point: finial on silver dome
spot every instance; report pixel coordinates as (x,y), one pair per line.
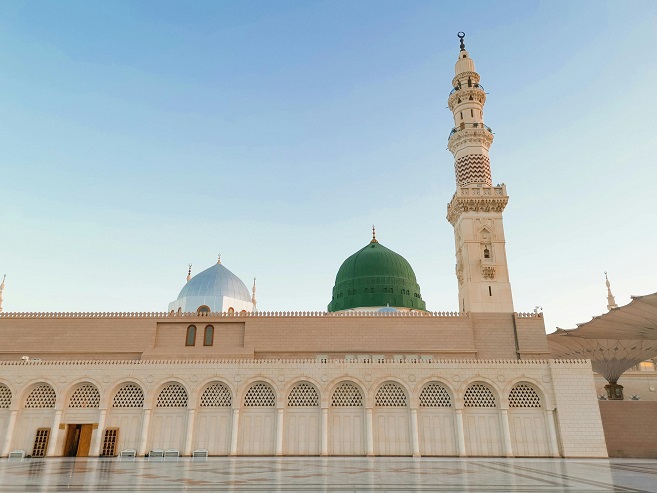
(611,300)
(253,296)
(373,235)
(461,35)
(189,272)
(219,259)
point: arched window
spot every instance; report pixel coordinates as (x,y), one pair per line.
(172,395)
(231,310)
(208,336)
(190,339)
(347,395)
(216,395)
(42,396)
(5,396)
(129,396)
(260,395)
(390,395)
(479,395)
(523,395)
(303,395)
(435,395)
(203,310)
(86,395)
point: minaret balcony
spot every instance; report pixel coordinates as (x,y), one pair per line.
(462,88)
(462,95)
(469,134)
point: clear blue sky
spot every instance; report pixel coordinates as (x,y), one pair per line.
(138,136)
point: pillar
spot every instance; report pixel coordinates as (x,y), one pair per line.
(233,434)
(279,431)
(369,432)
(324,444)
(415,438)
(145,424)
(11,424)
(460,434)
(191,414)
(95,449)
(506,433)
(54,434)
(552,433)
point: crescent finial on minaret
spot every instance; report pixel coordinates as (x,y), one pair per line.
(189,272)
(219,258)
(374,240)
(461,35)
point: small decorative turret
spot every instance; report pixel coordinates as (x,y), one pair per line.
(189,272)
(2,288)
(611,301)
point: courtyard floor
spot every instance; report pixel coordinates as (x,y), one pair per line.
(267,474)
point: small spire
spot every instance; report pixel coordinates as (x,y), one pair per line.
(219,259)
(373,235)
(189,272)
(253,296)
(461,35)
(611,301)
(2,288)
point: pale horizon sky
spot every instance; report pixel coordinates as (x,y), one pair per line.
(139,136)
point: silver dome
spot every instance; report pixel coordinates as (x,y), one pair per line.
(216,282)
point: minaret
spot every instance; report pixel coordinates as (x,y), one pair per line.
(611,301)
(2,288)
(475,210)
(253,295)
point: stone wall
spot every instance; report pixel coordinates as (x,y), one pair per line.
(630,428)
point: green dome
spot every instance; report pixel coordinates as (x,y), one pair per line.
(375,276)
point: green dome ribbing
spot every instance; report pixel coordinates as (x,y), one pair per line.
(375,276)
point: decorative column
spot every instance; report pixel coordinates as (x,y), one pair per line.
(506,432)
(145,424)
(552,433)
(191,414)
(233,434)
(54,434)
(415,442)
(324,443)
(279,431)
(11,424)
(460,435)
(369,432)
(98,440)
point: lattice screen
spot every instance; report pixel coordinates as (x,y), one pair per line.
(478,395)
(41,442)
(42,396)
(172,395)
(86,395)
(5,397)
(347,395)
(109,442)
(435,395)
(303,395)
(130,395)
(522,395)
(390,395)
(260,395)
(216,395)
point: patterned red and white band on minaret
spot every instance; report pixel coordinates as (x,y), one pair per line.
(470,138)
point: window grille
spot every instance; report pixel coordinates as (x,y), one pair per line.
(86,395)
(216,395)
(478,395)
(303,395)
(522,395)
(390,395)
(42,396)
(130,395)
(347,395)
(41,442)
(435,395)
(172,395)
(109,442)
(260,395)
(5,397)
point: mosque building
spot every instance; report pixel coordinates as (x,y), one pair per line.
(376,374)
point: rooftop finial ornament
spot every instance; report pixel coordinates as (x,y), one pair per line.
(373,234)
(461,35)
(2,288)
(611,300)
(219,258)
(189,272)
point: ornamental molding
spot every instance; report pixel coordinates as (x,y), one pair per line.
(474,77)
(466,94)
(460,205)
(461,138)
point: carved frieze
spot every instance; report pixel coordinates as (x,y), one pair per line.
(466,94)
(463,76)
(488,271)
(472,136)
(460,204)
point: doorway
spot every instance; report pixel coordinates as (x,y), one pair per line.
(78,440)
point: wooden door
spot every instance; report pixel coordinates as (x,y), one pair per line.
(85,440)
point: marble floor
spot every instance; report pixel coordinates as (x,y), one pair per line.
(336,475)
